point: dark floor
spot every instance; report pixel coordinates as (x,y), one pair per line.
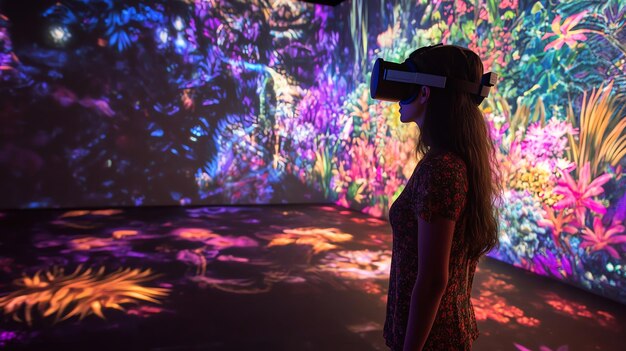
(249,278)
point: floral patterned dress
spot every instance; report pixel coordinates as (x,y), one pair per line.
(438,187)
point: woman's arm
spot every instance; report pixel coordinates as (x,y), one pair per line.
(434,246)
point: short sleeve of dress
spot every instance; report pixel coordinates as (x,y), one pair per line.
(441,188)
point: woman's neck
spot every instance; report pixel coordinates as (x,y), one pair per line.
(436,149)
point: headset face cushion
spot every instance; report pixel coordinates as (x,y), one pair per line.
(382,89)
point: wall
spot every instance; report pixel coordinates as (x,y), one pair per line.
(128,103)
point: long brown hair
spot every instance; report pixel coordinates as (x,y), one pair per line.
(455,123)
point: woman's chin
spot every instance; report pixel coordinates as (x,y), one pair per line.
(404,119)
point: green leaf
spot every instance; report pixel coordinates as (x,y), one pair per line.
(454,31)
(436,16)
(492,8)
(436,32)
(536,8)
(425,17)
(468,28)
(353,191)
(509,15)
(398,192)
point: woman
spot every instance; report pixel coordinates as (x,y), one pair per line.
(445,219)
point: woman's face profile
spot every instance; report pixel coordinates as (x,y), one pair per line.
(415,111)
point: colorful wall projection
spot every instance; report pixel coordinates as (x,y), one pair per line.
(557,115)
(165,102)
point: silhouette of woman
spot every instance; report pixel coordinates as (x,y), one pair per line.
(445,218)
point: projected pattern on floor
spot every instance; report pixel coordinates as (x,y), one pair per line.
(236,277)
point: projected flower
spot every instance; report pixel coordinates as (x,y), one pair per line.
(600,238)
(319,239)
(79,293)
(490,305)
(496,131)
(549,140)
(94,243)
(107,212)
(368,221)
(564,33)
(194,234)
(224,242)
(542,348)
(144,311)
(59,34)
(124,233)
(536,180)
(577,310)
(546,262)
(80,213)
(534,160)
(121,24)
(558,223)
(357,265)
(217,241)
(579,195)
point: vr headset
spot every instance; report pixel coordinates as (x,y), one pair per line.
(400,82)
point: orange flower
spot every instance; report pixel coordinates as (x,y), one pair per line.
(558,223)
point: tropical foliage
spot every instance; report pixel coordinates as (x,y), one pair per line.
(557,116)
(78,294)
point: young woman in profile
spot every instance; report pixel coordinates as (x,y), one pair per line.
(445,218)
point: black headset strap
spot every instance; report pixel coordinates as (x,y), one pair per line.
(470,87)
(476,88)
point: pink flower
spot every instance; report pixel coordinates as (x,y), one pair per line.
(600,238)
(564,33)
(564,165)
(495,132)
(542,348)
(462,8)
(549,140)
(580,195)
(483,14)
(508,3)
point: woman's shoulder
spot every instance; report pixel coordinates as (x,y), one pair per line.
(444,161)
